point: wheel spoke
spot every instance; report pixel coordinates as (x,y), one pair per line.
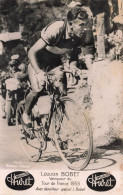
(29,136)
(72,128)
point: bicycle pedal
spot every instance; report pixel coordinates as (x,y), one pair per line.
(32,137)
(63,145)
(48,138)
(22,138)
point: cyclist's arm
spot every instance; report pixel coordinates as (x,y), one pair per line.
(88,49)
(39,45)
(74,60)
(73,66)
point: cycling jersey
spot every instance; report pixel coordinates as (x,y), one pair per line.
(59,42)
(55,35)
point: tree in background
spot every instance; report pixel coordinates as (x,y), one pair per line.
(32,18)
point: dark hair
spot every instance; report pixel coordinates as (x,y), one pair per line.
(77,12)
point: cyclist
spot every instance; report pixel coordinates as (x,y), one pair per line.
(3,93)
(17,70)
(59,37)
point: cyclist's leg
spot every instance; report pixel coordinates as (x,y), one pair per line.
(3,93)
(31,100)
(3,113)
(32,97)
(45,60)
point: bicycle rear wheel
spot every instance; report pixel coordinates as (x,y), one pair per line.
(72,134)
(32,147)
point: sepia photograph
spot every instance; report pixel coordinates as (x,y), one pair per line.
(61,97)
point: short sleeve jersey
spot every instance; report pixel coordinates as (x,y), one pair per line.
(55,35)
(52,33)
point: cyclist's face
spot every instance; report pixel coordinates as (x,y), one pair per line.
(78,27)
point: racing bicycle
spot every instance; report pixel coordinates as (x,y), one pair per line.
(62,120)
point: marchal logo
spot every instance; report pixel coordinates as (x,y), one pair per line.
(101,181)
(19,180)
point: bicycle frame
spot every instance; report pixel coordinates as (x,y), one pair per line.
(55,95)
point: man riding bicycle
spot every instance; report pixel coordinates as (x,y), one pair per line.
(56,39)
(15,70)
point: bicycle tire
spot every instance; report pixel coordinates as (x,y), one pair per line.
(74,157)
(32,148)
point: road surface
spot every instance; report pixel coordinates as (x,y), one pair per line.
(12,155)
(104,80)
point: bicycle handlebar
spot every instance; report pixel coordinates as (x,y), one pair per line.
(50,73)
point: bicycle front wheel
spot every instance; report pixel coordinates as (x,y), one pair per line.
(72,134)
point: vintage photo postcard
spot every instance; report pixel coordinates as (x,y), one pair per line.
(61,97)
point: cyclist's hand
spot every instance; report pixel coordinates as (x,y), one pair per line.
(74,69)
